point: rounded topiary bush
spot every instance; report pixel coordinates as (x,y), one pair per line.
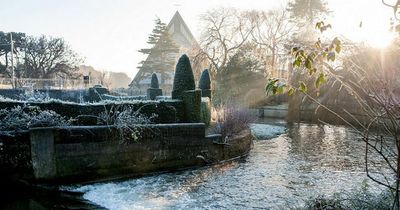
(154,81)
(183,79)
(205,82)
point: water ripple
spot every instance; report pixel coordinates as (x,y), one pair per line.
(280,173)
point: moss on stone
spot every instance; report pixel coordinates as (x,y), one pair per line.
(183,79)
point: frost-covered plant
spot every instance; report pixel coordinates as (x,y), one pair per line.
(128,116)
(22,118)
(48,118)
(230,120)
(14,119)
(125,119)
(34,96)
(123,115)
(361,198)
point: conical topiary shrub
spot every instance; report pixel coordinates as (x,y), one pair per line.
(154,81)
(183,79)
(154,89)
(205,82)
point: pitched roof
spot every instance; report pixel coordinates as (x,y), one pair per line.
(180,28)
(180,34)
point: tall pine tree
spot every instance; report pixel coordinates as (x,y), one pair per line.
(308,10)
(162,54)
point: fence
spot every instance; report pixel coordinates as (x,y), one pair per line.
(56,84)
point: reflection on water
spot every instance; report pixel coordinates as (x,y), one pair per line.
(308,161)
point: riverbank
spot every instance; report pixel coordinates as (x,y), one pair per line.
(307,161)
(281,173)
(49,196)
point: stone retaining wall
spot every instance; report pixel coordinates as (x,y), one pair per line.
(87,153)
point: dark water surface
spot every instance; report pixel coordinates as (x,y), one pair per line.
(283,172)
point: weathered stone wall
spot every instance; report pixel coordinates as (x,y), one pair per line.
(91,153)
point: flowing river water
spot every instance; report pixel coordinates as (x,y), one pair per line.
(304,162)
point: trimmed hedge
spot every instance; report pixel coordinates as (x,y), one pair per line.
(64,95)
(166,111)
(123,98)
(205,108)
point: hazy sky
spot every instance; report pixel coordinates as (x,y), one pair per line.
(108,33)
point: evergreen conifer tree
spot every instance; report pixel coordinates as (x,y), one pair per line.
(163,52)
(308,10)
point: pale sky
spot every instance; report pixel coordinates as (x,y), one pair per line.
(109,33)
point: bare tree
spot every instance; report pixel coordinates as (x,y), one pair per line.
(272,31)
(372,90)
(394,6)
(225,31)
(47,57)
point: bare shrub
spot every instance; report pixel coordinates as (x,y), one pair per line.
(230,120)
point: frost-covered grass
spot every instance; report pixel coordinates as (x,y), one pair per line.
(34,97)
(123,116)
(22,118)
(361,198)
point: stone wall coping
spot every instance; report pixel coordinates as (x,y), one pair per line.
(214,135)
(112,126)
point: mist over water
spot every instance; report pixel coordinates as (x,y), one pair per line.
(283,172)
